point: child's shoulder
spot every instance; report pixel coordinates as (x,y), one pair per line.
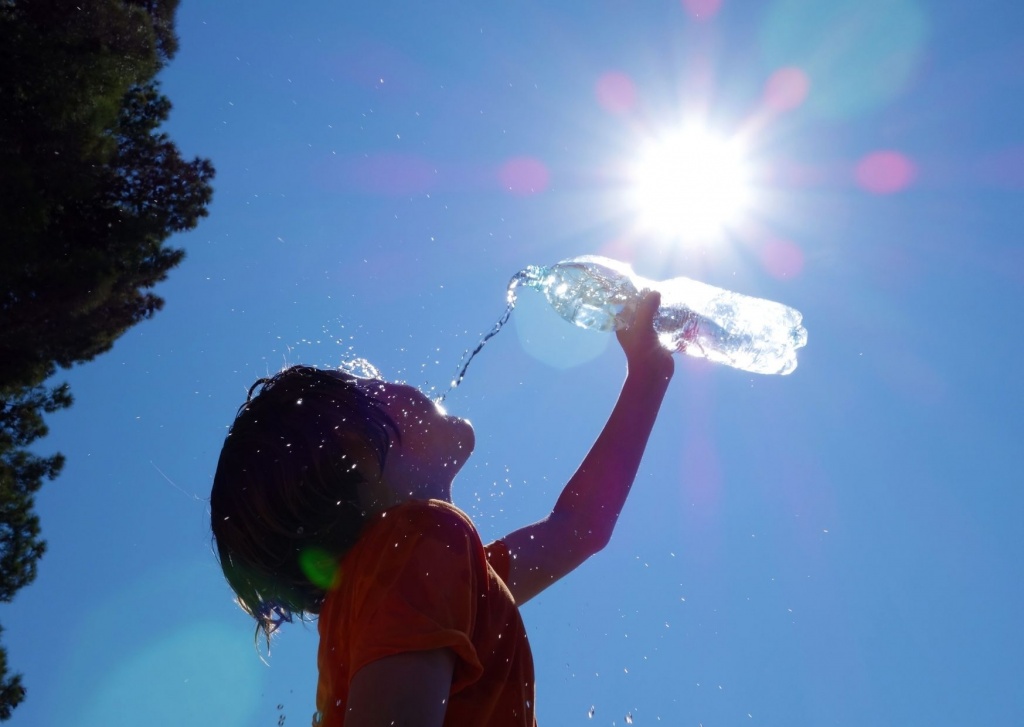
(432,518)
(415,533)
(427,510)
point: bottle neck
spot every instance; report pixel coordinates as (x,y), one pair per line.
(531,276)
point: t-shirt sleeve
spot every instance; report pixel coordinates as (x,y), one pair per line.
(498,557)
(422,593)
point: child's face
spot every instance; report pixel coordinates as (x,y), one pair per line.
(434,445)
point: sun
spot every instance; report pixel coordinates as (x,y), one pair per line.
(690,184)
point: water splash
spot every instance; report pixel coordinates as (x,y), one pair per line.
(529,274)
(360,367)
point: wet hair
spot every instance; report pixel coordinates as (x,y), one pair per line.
(285,503)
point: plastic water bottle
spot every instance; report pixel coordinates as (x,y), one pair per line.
(752,334)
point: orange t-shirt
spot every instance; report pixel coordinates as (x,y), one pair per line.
(419,578)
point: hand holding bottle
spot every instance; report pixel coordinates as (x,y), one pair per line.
(644,351)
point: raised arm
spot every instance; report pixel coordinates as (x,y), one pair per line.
(585,514)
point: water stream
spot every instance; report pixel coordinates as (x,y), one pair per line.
(510,297)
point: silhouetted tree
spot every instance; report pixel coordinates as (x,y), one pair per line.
(90,190)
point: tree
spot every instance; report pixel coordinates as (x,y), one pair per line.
(90,191)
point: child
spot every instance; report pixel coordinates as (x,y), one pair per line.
(333,497)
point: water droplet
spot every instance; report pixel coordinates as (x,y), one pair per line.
(629,718)
(590,713)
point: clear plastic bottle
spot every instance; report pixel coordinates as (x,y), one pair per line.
(752,334)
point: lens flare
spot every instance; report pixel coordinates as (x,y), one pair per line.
(523,176)
(782,259)
(702,9)
(885,172)
(616,92)
(319,566)
(786,89)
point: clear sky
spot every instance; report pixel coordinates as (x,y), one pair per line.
(841,546)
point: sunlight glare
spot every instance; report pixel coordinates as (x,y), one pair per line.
(692,183)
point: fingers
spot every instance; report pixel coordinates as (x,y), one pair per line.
(648,307)
(644,351)
(641,331)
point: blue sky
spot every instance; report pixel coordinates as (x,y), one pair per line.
(840,546)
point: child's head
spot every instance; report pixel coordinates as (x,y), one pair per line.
(288,495)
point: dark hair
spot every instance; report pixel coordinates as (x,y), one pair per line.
(284,506)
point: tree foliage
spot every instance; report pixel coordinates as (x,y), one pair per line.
(90,190)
